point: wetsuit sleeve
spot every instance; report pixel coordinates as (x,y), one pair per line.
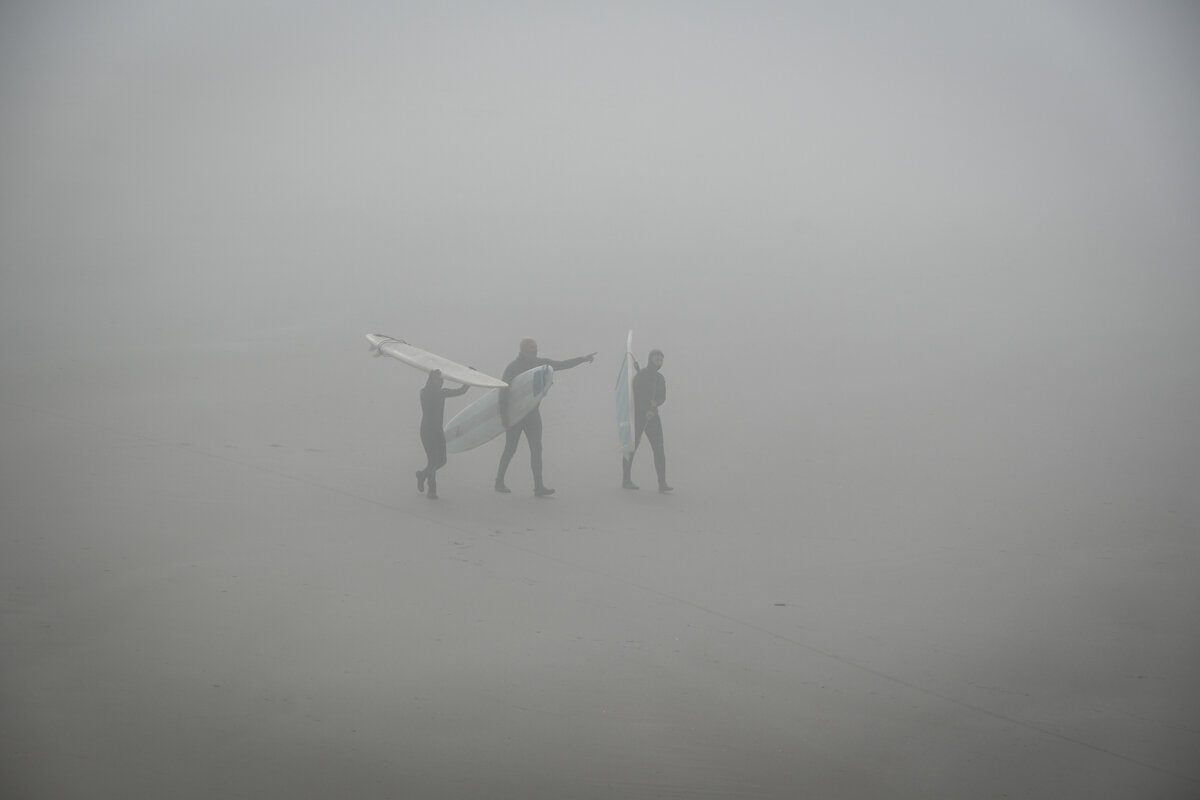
(559,366)
(660,391)
(455,392)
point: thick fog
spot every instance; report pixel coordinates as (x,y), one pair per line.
(926,280)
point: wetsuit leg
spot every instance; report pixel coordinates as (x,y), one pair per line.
(435,450)
(654,433)
(435,454)
(440,452)
(533,435)
(429,456)
(512,437)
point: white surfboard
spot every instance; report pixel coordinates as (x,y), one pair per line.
(624,397)
(428,362)
(480,422)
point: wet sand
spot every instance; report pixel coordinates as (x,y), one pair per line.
(218,580)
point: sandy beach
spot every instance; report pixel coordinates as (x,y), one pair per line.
(209,594)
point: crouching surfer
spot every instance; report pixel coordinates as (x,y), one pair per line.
(433,410)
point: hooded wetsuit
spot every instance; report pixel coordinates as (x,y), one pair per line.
(531,423)
(433,411)
(649,392)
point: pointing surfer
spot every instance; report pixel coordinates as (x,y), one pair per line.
(649,392)
(531,423)
(433,408)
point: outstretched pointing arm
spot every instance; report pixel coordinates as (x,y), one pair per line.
(559,366)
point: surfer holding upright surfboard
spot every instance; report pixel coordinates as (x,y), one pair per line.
(649,392)
(531,423)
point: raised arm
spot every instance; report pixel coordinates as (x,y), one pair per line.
(559,366)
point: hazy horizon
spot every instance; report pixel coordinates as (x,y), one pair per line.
(927,284)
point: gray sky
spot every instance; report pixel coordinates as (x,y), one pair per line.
(206,171)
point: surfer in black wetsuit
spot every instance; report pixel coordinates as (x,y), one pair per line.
(433,409)
(649,392)
(531,423)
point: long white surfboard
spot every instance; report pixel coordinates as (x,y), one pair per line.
(428,362)
(624,398)
(480,422)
